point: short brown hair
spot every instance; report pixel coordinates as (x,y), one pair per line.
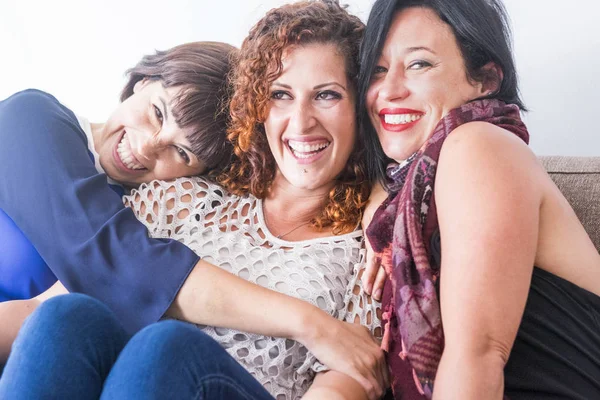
(259,64)
(201,69)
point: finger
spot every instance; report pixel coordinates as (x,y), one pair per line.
(365,382)
(381,374)
(370,272)
(375,385)
(379,382)
(385,372)
(379,282)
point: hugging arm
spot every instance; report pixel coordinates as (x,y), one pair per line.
(205,297)
(91,242)
(361,309)
(488,199)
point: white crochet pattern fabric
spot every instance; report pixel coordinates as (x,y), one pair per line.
(230,232)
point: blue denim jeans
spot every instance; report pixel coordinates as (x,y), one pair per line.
(73,347)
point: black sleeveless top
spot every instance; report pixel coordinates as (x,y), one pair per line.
(556,354)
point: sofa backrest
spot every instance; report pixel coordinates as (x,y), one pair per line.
(578,178)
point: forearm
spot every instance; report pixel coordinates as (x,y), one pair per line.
(12,315)
(465,377)
(212,296)
(333,385)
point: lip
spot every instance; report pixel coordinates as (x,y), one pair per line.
(120,165)
(308,140)
(398,127)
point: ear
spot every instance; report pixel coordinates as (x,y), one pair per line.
(491,77)
(140,84)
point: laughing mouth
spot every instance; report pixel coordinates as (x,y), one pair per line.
(401,119)
(306,150)
(126,155)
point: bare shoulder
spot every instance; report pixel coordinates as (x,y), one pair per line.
(483,138)
(481,148)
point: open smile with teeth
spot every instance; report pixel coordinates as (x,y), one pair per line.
(306,150)
(401,119)
(126,155)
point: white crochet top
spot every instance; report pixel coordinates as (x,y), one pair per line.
(230,232)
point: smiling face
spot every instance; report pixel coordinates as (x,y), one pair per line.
(419,78)
(310,124)
(141,141)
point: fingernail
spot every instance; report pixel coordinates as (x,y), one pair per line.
(378,294)
(369,288)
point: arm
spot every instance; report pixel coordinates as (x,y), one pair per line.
(205,297)
(488,199)
(96,246)
(361,309)
(93,244)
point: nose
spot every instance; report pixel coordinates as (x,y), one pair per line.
(302,117)
(393,87)
(148,145)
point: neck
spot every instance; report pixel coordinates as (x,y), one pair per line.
(286,204)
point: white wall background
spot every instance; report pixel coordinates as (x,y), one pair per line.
(79,49)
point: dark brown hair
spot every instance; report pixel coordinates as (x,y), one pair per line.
(483,35)
(201,69)
(259,64)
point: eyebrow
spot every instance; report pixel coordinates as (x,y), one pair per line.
(418,48)
(164,110)
(322,85)
(330,84)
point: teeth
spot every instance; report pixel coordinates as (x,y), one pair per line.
(299,147)
(125,154)
(401,119)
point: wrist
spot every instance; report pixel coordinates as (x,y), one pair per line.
(311,323)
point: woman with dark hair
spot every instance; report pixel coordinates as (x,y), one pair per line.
(58,170)
(285,217)
(494,284)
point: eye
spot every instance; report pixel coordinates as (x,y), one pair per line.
(419,64)
(158,114)
(379,70)
(328,95)
(183,154)
(280,95)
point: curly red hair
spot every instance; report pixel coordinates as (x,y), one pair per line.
(259,64)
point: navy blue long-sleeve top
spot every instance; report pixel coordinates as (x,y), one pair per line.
(52,191)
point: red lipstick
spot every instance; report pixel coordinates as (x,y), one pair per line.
(395,111)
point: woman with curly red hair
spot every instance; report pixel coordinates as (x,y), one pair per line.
(284,216)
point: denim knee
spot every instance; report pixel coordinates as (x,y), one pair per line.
(173,359)
(76,316)
(173,341)
(67,347)
(173,336)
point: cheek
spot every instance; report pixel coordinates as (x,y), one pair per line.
(372,96)
(272,127)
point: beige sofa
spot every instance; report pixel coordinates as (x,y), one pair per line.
(578,178)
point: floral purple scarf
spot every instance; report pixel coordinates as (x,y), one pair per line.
(404,232)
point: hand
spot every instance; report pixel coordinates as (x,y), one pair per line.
(374,276)
(350,349)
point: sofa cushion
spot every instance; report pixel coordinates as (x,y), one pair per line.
(578,178)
